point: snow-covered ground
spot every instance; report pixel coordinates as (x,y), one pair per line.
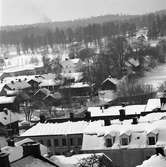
(155,77)
(154,161)
(23,62)
(72,161)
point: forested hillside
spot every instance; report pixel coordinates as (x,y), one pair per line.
(84,30)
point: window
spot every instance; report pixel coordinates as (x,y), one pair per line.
(64,142)
(124,141)
(49,143)
(109,142)
(56,142)
(71,141)
(151,140)
(79,141)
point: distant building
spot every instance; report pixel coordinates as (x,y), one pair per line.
(142,33)
(50,84)
(18,85)
(109,84)
(9,121)
(71,66)
(60,138)
(76,89)
(126,144)
(108,89)
(25,153)
(10,103)
(34,82)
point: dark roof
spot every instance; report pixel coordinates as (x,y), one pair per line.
(3,131)
(53,99)
(32,161)
(44,91)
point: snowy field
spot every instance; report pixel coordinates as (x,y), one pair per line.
(23,62)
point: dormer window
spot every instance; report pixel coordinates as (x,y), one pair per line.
(152,138)
(109,140)
(125,139)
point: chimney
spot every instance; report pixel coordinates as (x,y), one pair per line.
(42,118)
(12,82)
(11,142)
(71,115)
(101,108)
(4,159)
(31,148)
(163,103)
(135,121)
(19,80)
(122,114)
(87,115)
(107,122)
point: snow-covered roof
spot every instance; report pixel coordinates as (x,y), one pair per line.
(16,152)
(154,161)
(32,161)
(72,61)
(49,82)
(77,76)
(16,78)
(6,100)
(49,76)
(152,117)
(153,104)
(114,110)
(56,129)
(113,80)
(36,79)
(8,117)
(18,85)
(72,161)
(134,62)
(93,138)
(76,60)
(78,85)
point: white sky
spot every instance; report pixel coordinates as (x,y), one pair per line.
(32,11)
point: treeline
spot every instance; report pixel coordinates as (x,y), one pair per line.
(35,37)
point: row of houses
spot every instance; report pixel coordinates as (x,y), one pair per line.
(115,138)
(33,154)
(118,141)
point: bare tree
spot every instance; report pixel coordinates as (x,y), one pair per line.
(133,88)
(92,161)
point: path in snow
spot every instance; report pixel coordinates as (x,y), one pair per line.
(155,77)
